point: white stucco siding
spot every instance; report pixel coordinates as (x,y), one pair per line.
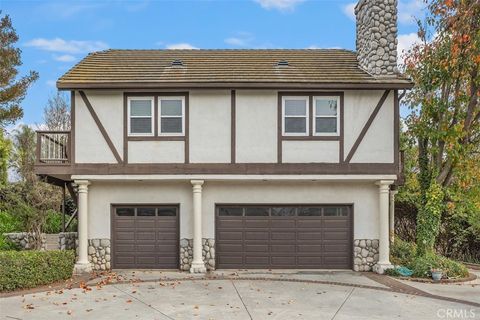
(156,151)
(256,126)
(378,143)
(103,194)
(210,120)
(310,151)
(90,145)
(363,196)
(108,106)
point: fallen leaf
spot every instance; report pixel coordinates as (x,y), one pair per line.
(129,301)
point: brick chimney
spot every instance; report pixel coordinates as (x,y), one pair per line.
(376,40)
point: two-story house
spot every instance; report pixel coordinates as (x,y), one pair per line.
(203,159)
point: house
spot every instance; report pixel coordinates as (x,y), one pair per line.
(203,159)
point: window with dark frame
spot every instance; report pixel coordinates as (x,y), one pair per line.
(284,211)
(140,116)
(146,211)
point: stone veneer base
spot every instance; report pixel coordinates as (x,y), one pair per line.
(99,254)
(186,253)
(365,254)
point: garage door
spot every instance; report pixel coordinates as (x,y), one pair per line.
(145,237)
(252,236)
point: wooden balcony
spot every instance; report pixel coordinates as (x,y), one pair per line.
(53,148)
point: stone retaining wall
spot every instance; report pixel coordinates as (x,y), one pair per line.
(99,254)
(67,240)
(26,240)
(365,254)
(186,253)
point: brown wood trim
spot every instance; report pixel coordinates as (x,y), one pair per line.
(187,128)
(310,116)
(38,148)
(221,168)
(396,129)
(238,85)
(125,129)
(157,138)
(279,128)
(311,138)
(366,126)
(341,147)
(233,127)
(72,127)
(100,127)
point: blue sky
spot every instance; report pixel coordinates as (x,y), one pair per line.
(54,35)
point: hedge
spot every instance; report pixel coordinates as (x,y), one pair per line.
(28,269)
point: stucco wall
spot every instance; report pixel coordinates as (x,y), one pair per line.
(377,145)
(156,151)
(210,120)
(363,195)
(256,126)
(256,130)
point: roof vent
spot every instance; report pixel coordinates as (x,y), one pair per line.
(177,63)
(282,63)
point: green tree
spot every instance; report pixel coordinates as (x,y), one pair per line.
(445,105)
(5,149)
(23,156)
(12,87)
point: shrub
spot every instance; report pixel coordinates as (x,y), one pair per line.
(402,252)
(8,223)
(28,269)
(53,222)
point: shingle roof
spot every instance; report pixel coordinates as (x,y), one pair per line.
(223,68)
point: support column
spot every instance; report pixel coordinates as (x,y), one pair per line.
(392,215)
(198,266)
(384,243)
(82,265)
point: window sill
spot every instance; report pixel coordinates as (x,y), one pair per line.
(156,138)
(317,138)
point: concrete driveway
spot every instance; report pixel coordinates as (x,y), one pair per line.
(238,295)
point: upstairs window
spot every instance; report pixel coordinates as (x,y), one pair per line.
(295,116)
(140,116)
(326,116)
(171,116)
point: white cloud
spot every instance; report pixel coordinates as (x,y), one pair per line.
(281,5)
(181,45)
(406,42)
(349,10)
(66,46)
(242,39)
(51,83)
(407,10)
(65,58)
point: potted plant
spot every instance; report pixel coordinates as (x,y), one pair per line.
(436,274)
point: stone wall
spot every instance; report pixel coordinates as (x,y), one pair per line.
(67,240)
(99,254)
(365,254)
(26,240)
(377,36)
(186,253)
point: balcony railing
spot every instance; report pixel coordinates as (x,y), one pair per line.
(53,147)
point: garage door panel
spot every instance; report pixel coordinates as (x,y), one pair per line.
(320,237)
(284,248)
(309,223)
(256,247)
(282,223)
(230,235)
(144,237)
(256,223)
(230,247)
(336,235)
(256,235)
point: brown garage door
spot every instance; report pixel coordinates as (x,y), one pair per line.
(145,237)
(252,236)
